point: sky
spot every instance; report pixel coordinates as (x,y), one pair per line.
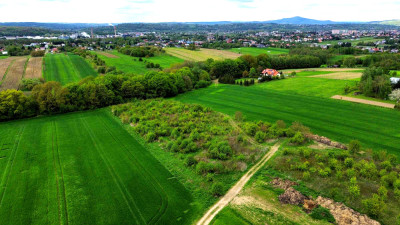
(123,11)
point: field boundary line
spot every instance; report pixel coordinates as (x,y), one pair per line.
(114,176)
(63,192)
(135,162)
(8,169)
(234,191)
(25,66)
(364,101)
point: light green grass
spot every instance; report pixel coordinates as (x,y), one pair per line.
(257,51)
(66,68)
(84,168)
(312,73)
(375,127)
(128,64)
(354,42)
(3,57)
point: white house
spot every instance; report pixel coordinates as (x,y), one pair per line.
(394,80)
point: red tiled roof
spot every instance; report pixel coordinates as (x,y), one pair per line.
(270,72)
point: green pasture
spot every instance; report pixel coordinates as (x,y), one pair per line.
(352,41)
(84,168)
(129,64)
(306,100)
(66,68)
(257,51)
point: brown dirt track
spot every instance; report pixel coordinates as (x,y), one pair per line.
(4,64)
(14,74)
(234,191)
(34,68)
(339,75)
(364,101)
(109,55)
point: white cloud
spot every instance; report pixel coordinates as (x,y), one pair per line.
(101,11)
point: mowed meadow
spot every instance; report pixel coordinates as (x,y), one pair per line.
(129,64)
(375,127)
(201,54)
(66,68)
(84,168)
(257,51)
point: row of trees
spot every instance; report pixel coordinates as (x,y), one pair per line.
(228,70)
(90,93)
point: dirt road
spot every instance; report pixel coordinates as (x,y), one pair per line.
(364,101)
(224,201)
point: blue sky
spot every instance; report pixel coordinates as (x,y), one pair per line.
(118,11)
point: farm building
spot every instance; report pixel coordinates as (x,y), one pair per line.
(394,80)
(270,73)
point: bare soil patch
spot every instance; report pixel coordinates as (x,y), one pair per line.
(34,68)
(340,75)
(109,55)
(14,74)
(364,101)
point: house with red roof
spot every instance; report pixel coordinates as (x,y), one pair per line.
(270,73)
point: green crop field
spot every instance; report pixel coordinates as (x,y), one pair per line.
(129,64)
(66,68)
(84,168)
(298,101)
(352,41)
(258,51)
(201,54)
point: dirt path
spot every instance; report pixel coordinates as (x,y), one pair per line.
(364,101)
(234,191)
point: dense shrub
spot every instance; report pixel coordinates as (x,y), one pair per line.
(217,189)
(354,146)
(298,138)
(321,213)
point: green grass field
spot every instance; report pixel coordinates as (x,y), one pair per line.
(66,68)
(258,51)
(84,168)
(353,42)
(307,100)
(128,64)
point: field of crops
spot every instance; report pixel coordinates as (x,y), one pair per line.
(4,64)
(202,54)
(84,168)
(34,68)
(14,74)
(258,51)
(66,68)
(130,64)
(342,121)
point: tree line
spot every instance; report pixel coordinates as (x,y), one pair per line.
(227,71)
(95,92)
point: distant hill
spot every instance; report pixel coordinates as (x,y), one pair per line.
(54,26)
(390,22)
(302,21)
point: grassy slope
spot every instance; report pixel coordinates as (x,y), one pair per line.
(342,121)
(128,64)
(86,168)
(66,68)
(258,51)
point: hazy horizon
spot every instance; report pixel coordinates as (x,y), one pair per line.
(150,11)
